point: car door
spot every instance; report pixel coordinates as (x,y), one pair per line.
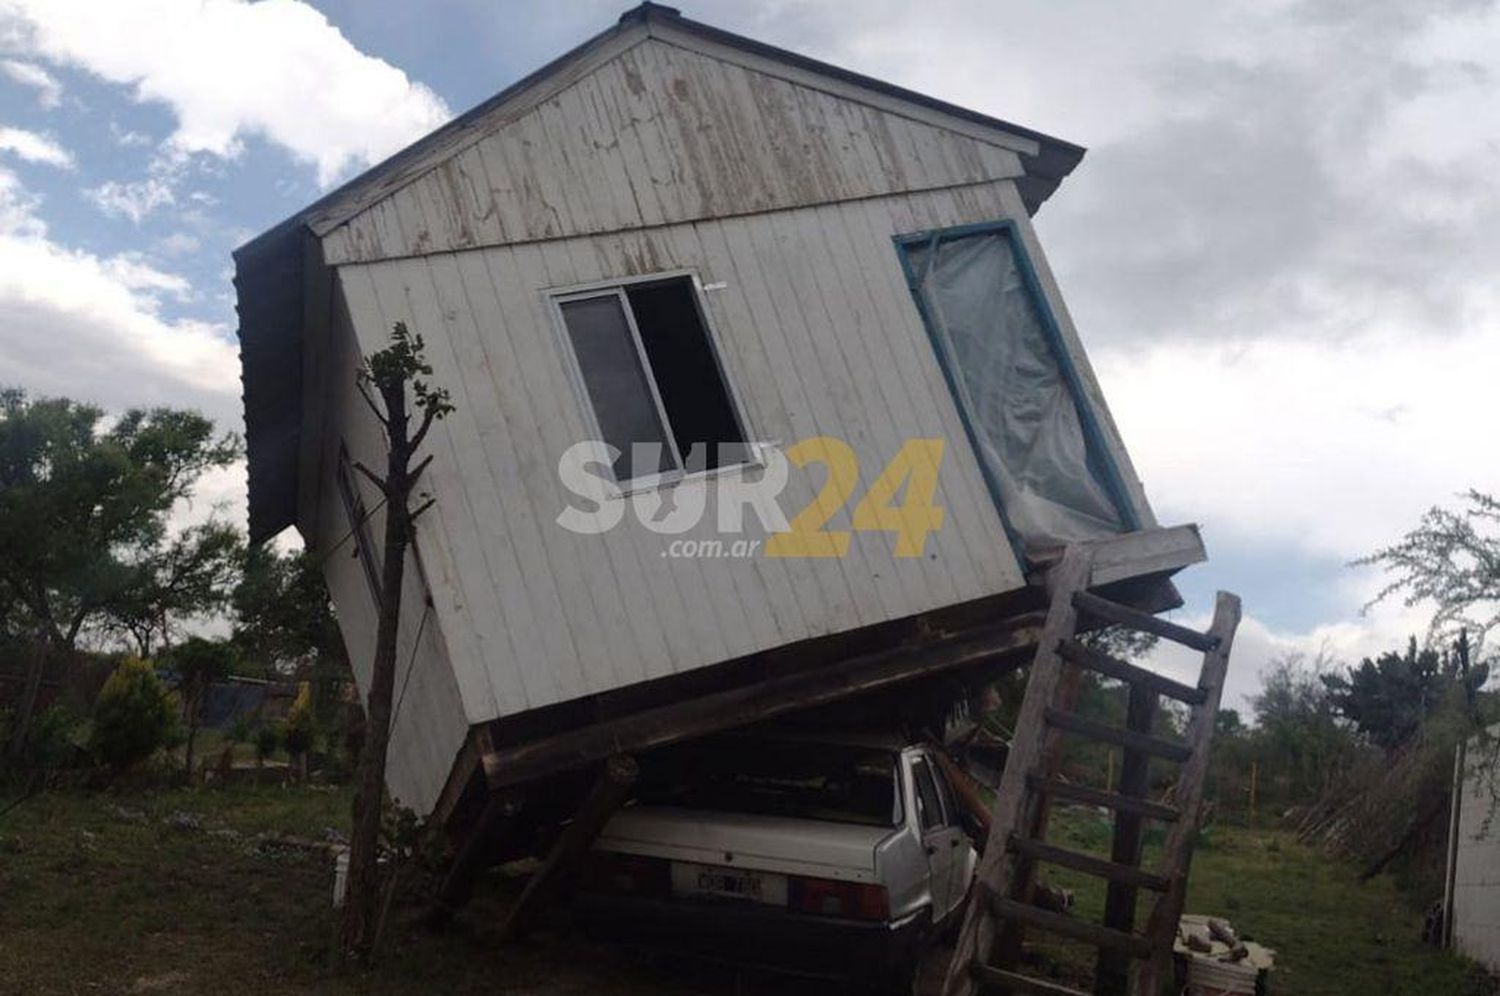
(964,855)
(941,837)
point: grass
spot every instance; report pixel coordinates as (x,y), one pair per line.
(1332,934)
(107,893)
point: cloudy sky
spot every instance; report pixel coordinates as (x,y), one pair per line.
(1281,249)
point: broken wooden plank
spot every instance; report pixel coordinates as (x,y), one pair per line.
(701,716)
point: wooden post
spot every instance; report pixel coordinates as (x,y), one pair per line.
(1254,784)
(1112,968)
(607,795)
(484,839)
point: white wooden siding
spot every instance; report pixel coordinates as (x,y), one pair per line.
(661,134)
(1476,873)
(820,337)
(429,723)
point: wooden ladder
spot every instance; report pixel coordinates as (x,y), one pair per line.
(987,955)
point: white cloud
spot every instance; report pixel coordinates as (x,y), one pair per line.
(92,327)
(133,199)
(48,90)
(230,70)
(34,148)
(1329,448)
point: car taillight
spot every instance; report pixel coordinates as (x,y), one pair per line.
(627,874)
(827,897)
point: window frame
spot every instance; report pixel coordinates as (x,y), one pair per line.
(559,296)
(358,515)
(1095,438)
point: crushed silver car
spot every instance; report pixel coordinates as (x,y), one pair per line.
(832,856)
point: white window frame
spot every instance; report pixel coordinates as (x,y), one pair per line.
(557,297)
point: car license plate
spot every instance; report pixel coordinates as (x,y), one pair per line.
(729,883)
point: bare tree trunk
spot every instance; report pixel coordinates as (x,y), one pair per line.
(362,903)
(36,660)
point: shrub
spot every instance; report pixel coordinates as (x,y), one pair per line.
(135,715)
(301,726)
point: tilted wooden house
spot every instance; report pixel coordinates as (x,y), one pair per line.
(676,236)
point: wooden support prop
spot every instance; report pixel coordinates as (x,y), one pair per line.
(1191,778)
(741,706)
(484,839)
(1011,813)
(607,795)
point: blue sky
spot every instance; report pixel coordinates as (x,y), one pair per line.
(1280,249)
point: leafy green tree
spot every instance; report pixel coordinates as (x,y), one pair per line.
(1390,697)
(198,663)
(190,575)
(135,716)
(82,501)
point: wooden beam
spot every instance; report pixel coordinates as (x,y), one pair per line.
(607,795)
(1112,667)
(1139,743)
(707,714)
(1124,615)
(1089,865)
(1111,969)
(1066,926)
(1146,551)
(1110,800)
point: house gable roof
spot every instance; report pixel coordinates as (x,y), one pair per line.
(269,269)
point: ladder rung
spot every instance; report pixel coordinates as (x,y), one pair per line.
(1094,797)
(1128,739)
(987,975)
(1112,667)
(1079,930)
(1124,615)
(1089,865)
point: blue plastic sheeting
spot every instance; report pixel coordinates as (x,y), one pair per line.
(1016,389)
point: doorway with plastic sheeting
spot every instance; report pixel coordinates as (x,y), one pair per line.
(1018,392)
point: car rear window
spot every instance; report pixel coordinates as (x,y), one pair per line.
(812,781)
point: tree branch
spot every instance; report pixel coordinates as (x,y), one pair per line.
(377,480)
(421,508)
(364,392)
(416,471)
(429,416)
